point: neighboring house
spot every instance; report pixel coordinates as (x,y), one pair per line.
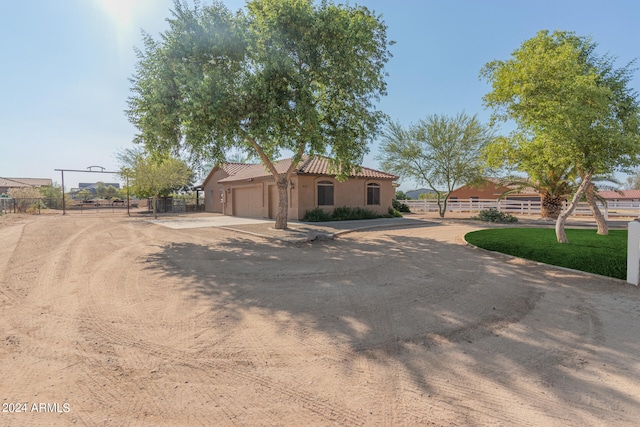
(8,183)
(249,189)
(624,196)
(491,190)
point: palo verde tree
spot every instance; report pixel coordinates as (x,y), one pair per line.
(552,177)
(560,93)
(280,75)
(439,151)
(153,176)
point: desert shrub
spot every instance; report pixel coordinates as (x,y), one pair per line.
(344,213)
(400,207)
(316,215)
(394,213)
(494,215)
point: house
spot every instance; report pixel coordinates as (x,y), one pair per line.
(623,196)
(8,183)
(491,189)
(250,190)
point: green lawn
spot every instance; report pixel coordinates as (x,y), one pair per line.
(586,250)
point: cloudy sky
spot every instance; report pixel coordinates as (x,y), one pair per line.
(65,66)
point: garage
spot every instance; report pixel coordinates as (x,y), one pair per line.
(247,201)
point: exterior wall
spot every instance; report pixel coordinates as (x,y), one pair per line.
(351,193)
(303,196)
(213,191)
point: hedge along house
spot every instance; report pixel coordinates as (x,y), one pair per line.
(249,190)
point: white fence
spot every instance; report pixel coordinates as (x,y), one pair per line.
(521,207)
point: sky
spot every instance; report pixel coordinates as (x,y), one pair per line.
(66,64)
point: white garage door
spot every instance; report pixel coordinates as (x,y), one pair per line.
(248,202)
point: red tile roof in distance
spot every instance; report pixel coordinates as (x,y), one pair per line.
(615,195)
(312,165)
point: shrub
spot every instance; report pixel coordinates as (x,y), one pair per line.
(343,214)
(494,215)
(400,207)
(394,213)
(346,213)
(316,215)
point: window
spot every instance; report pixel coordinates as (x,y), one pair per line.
(373,194)
(325,193)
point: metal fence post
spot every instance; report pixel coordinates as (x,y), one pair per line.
(633,253)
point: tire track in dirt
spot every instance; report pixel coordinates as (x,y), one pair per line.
(232,369)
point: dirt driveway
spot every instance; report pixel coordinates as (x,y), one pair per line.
(115,321)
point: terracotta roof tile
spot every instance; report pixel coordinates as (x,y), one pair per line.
(626,194)
(313,165)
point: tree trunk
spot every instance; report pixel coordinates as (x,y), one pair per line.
(442,206)
(551,206)
(283,202)
(154,202)
(562,218)
(603,228)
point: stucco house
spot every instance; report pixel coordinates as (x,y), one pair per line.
(8,183)
(249,190)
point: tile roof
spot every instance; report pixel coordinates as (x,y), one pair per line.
(312,165)
(626,194)
(24,182)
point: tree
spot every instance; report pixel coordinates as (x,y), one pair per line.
(280,75)
(554,188)
(401,195)
(438,151)
(153,176)
(52,194)
(558,91)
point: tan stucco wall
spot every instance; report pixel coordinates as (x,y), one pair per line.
(212,191)
(302,197)
(351,193)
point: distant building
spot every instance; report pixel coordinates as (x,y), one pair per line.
(91,186)
(8,183)
(620,195)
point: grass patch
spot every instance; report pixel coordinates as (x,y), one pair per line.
(586,250)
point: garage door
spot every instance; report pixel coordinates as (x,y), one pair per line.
(248,202)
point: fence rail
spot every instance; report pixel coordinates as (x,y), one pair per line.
(522,207)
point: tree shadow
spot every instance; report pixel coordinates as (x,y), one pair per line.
(405,300)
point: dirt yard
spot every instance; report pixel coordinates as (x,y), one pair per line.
(111,321)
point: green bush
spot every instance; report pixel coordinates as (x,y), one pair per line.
(494,215)
(394,213)
(400,207)
(346,213)
(316,215)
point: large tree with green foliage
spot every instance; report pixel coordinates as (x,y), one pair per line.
(291,75)
(439,151)
(572,108)
(153,176)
